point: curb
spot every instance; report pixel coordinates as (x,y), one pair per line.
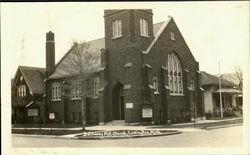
(95,138)
(127,137)
(222,126)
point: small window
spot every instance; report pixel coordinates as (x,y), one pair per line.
(56,91)
(117,28)
(96,86)
(192,85)
(144,27)
(155,85)
(172,35)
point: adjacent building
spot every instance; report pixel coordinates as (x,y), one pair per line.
(28,95)
(229,95)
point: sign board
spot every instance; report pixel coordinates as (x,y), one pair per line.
(129,105)
(33,112)
(147,113)
(51,115)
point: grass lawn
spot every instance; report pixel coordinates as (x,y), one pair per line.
(49,125)
(48,132)
(203,125)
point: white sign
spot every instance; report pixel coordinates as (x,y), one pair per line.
(129,105)
(33,112)
(147,113)
(51,115)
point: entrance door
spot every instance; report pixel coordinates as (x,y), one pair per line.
(122,107)
(118,102)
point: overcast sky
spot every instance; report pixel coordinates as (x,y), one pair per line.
(214,31)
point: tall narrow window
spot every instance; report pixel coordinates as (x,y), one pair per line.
(76,89)
(117,28)
(174,74)
(56,91)
(144,27)
(96,86)
(155,84)
(192,85)
(172,35)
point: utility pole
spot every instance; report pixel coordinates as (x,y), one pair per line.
(221,112)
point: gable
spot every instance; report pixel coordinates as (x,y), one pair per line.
(33,77)
(163,41)
(209,79)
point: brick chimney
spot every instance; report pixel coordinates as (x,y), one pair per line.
(50,53)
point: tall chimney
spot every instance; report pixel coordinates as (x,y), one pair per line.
(50,53)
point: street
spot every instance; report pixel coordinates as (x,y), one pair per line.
(223,137)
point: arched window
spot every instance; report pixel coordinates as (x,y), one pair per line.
(174,74)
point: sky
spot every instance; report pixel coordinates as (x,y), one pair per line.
(214,31)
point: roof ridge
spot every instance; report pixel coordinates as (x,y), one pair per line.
(21,66)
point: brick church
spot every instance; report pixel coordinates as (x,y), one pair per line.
(146,74)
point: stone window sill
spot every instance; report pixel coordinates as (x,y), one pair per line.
(144,35)
(116,37)
(177,94)
(156,93)
(56,100)
(76,98)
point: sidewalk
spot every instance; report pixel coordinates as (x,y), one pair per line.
(182,127)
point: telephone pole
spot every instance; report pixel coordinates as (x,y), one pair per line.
(221,112)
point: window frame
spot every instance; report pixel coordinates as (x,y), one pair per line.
(56,91)
(156,84)
(175,79)
(75,89)
(172,35)
(96,86)
(144,27)
(21,91)
(117,29)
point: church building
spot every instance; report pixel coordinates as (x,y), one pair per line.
(146,74)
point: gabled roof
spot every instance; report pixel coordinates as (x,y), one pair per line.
(97,45)
(158,34)
(230,77)
(209,79)
(34,77)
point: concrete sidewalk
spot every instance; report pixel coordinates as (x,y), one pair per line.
(188,127)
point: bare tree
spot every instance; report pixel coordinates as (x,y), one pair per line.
(80,63)
(239,76)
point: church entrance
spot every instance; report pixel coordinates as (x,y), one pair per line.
(118,102)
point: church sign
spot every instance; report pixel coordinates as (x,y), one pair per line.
(129,105)
(147,113)
(33,112)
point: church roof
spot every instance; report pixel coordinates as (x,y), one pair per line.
(209,79)
(95,45)
(34,78)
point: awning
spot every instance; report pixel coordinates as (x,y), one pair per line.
(227,90)
(29,104)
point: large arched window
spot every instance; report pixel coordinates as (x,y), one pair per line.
(174,74)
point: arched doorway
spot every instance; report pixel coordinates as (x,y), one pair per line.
(118,102)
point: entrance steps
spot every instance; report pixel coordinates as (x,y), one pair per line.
(116,123)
